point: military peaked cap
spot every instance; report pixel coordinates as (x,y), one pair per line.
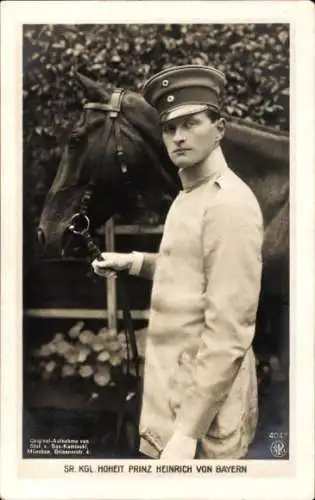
(183,90)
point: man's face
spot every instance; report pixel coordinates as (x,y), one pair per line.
(189,139)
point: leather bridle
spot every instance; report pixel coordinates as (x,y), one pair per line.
(80,225)
(80,219)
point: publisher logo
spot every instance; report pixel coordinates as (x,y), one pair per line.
(278,448)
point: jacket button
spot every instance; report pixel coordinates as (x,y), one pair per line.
(170,98)
(165,83)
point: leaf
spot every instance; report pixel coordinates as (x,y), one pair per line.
(116,359)
(98,344)
(71,357)
(86,337)
(112,334)
(103,333)
(116,58)
(62,347)
(58,337)
(78,49)
(283,36)
(102,376)
(67,371)
(86,371)
(113,346)
(122,339)
(96,66)
(45,351)
(50,366)
(82,353)
(103,356)
(76,329)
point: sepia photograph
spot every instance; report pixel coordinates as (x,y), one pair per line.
(133,180)
(156,247)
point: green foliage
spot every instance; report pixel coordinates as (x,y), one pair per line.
(254,57)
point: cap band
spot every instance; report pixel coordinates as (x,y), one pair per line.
(184,85)
(187,95)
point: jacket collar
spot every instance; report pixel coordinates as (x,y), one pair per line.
(212,168)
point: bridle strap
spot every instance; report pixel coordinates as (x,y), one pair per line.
(99,106)
(114,108)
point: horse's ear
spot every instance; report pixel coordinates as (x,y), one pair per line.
(94,89)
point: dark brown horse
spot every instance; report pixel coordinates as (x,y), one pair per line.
(257,154)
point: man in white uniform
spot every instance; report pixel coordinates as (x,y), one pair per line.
(200,386)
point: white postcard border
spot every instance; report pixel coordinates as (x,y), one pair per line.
(272,478)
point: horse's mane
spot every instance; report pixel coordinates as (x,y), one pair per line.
(265,141)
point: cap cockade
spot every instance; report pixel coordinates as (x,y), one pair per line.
(183,90)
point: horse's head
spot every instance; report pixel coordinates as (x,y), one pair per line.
(114,152)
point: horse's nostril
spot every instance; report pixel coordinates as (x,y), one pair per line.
(40,236)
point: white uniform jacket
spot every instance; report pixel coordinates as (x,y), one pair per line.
(200,373)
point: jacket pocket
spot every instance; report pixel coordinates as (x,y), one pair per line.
(228,419)
(239,410)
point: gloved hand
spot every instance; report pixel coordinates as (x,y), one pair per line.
(179,447)
(113,261)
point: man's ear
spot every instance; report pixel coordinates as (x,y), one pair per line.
(221,126)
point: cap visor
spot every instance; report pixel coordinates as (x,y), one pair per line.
(183,110)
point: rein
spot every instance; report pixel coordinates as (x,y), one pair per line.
(80,225)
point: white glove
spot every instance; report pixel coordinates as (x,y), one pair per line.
(113,261)
(179,447)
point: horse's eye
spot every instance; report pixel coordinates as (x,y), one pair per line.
(77,136)
(81,120)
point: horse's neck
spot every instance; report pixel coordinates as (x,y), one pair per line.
(260,158)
